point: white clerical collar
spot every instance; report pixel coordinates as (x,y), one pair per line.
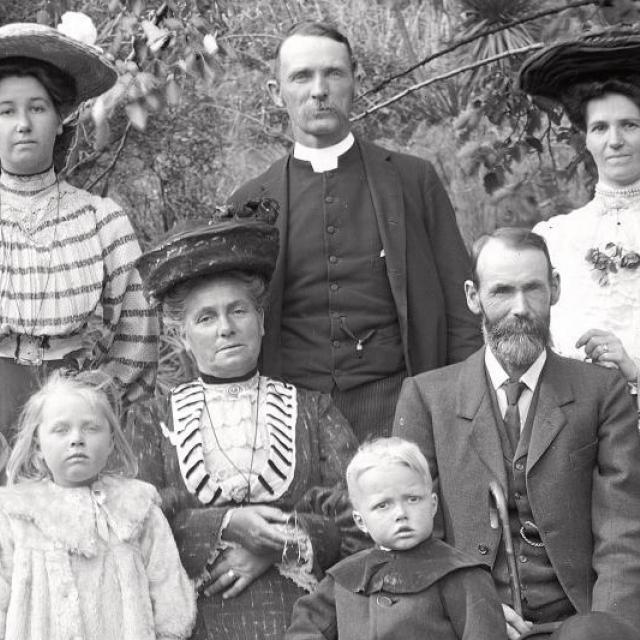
(499,376)
(325,159)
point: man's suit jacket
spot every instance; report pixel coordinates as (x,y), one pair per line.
(583,471)
(427,262)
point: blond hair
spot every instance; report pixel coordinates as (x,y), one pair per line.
(375,453)
(26,461)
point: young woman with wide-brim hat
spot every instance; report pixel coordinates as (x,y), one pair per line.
(69,293)
(596,248)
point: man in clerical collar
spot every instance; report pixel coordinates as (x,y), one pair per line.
(559,436)
(368,285)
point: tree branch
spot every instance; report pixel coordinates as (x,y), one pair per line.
(444,76)
(116,155)
(477,36)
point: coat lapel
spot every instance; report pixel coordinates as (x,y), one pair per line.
(549,418)
(386,195)
(276,185)
(474,405)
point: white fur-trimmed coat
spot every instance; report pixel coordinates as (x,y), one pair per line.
(90,563)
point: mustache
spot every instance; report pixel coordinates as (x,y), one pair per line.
(516,326)
(325,105)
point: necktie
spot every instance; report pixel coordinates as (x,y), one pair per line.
(513,389)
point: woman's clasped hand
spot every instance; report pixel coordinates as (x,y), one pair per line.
(606,349)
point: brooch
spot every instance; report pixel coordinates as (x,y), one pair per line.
(610,260)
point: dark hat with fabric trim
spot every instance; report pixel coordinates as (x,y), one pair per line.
(92,72)
(594,56)
(243,238)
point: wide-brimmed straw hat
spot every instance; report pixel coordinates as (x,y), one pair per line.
(92,72)
(240,238)
(592,57)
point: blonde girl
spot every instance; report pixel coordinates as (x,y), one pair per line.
(85,551)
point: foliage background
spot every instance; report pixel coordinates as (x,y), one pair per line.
(191,119)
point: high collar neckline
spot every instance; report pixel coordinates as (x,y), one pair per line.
(248,380)
(28,184)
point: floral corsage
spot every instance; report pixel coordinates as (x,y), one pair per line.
(609,260)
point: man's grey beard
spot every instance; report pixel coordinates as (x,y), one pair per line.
(516,341)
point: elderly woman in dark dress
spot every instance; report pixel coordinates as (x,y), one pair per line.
(247,466)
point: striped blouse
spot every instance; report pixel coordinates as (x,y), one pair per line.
(67,272)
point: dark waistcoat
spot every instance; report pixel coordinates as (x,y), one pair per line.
(542,595)
(339,322)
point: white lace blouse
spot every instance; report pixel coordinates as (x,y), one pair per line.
(608,297)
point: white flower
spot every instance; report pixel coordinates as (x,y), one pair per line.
(210,44)
(78,26)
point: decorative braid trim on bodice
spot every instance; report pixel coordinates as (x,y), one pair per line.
(278,411)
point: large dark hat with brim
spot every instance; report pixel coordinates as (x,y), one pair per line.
(242,238)
(592,57)
(92,72)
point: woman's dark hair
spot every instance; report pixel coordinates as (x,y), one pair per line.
(577,97)
(61,88)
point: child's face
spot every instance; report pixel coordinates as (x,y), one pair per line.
(74,439)
(394,505)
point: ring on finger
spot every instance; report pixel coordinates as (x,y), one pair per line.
(605,348)
(231,574)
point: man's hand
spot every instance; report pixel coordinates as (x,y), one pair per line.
(516,625)
(252,527)
(235,569)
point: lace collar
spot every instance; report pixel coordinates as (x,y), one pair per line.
(27,185)
(612,199)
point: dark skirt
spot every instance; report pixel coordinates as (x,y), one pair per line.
(17,383)
(261,612)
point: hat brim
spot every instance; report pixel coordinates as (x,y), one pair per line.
(594,57)
(209,251)
(91,71)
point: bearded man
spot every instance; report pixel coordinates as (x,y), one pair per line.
(559,436)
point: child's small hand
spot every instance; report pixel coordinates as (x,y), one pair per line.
(516,625)
(252,527)
(235,570)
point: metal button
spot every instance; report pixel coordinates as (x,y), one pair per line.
(329,199)
(523,558)
(384,601)
(519,466)
(331,229)
(333,286)
(517,495)
(333,259)
(336,343)
(483,549)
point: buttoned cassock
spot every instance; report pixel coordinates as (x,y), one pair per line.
(426,260)
(582,472)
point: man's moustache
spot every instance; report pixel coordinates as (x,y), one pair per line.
(508,327)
